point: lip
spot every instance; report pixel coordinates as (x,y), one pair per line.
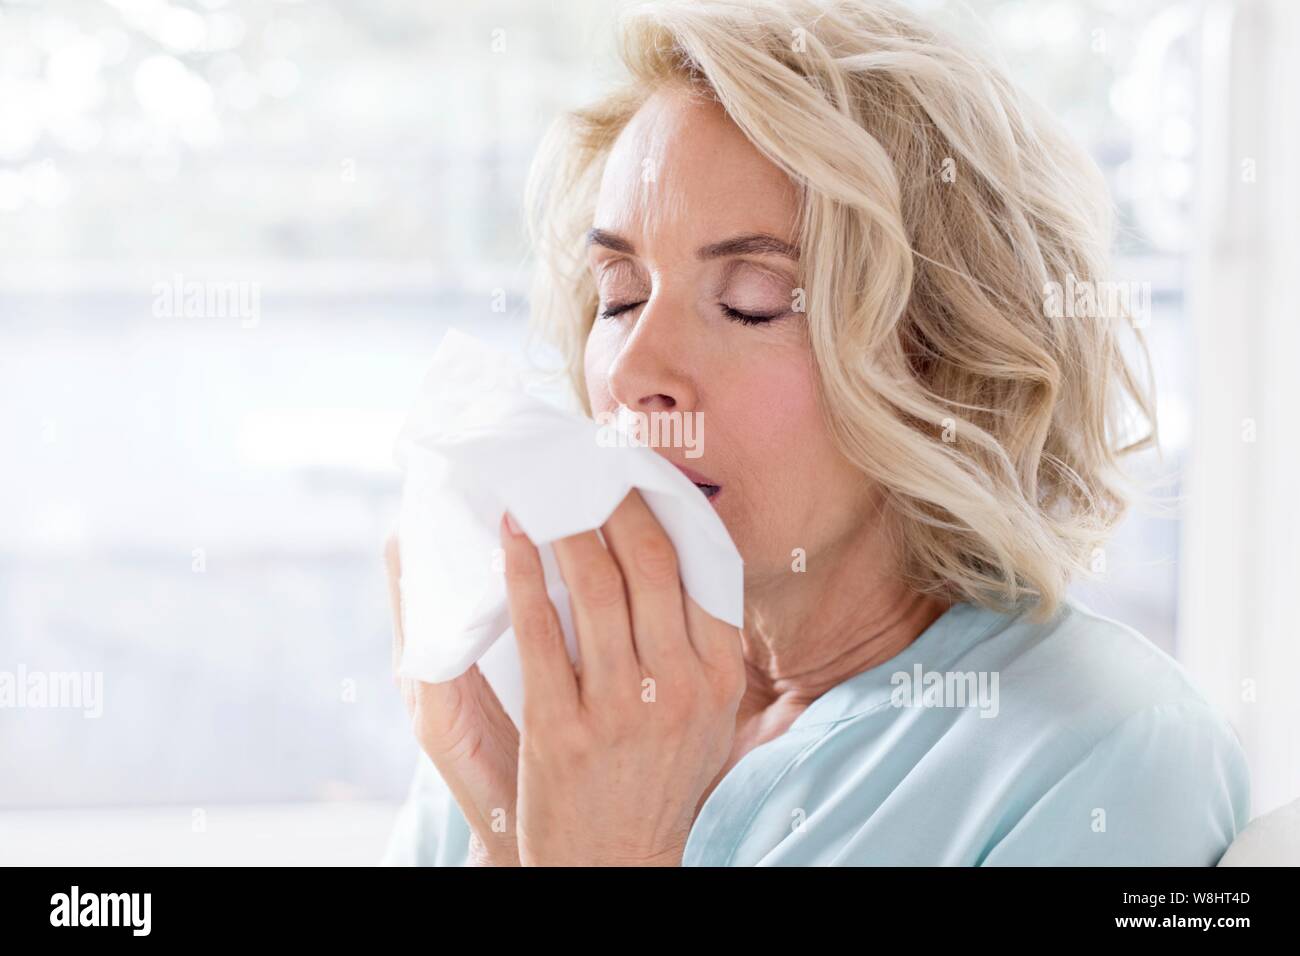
(703,482)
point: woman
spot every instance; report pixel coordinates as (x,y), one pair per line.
(832,233)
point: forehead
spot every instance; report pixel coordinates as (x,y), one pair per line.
(682,171)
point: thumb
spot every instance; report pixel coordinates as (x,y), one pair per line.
(456,717)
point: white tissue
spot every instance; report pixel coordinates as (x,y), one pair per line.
(479,443)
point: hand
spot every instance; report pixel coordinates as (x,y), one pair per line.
(615,756)
(469,737)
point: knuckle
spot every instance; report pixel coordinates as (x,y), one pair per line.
(676,697)
(654,557)
(535,622)
(619,725)
(599,585)
(677,708)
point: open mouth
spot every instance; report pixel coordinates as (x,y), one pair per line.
(708,488)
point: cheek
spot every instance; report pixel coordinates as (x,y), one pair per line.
(598,356)
(774,407)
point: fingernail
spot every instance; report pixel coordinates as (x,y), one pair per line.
(513,526)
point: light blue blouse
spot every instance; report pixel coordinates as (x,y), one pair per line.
(989,740)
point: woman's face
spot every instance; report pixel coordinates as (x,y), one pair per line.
(692,253)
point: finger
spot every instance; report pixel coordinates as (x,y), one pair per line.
(717,643)
(393,565)
(550,685)
(477,758)
(600,617)
(442,710)
(648,562)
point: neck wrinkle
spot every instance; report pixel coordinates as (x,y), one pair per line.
(809,634)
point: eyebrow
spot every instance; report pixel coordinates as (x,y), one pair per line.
(750,244)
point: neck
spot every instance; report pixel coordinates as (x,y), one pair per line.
(806,632)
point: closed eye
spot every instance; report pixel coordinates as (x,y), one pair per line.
(612,310)
(745,318)
(749,318)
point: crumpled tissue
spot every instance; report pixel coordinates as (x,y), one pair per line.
(482,440)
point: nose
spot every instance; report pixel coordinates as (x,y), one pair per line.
(651,372)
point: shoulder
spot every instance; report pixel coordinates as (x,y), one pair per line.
(1136,767)
(1084,674)
(1167,786)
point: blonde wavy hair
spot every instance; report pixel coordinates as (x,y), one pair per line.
(937,206)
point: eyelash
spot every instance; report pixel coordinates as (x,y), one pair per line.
(610,311)
(744,318)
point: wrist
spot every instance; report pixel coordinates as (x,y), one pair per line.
(503,852)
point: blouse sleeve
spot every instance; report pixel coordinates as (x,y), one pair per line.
(1168,787)
(429,830)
